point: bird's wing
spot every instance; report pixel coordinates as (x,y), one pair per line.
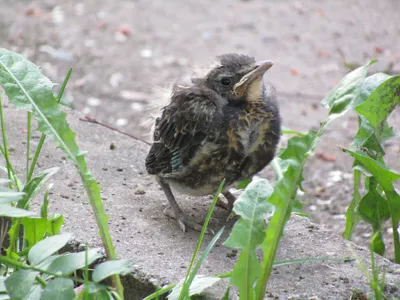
(185,123)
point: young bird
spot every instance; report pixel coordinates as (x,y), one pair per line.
(225,125)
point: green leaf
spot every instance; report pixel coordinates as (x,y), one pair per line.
(34,230)
(6,210)
(19,283)
(369,85)
(47,247)
(292,160)
(33,187)
(54,225)
(347,92)
(45,205)
(109,268)
(381,172)
(44,264)
(68,263)
(185,288)
(7,195)
(199,284)
(243,183)
(249,232)
(28,89)
(59,289)
(2,284)
(378,106)
(97,291)
(34,293)
(373,208)
(385,178)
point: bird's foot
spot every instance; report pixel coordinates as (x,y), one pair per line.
(227,206)
(184,221)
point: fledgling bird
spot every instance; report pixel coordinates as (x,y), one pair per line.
(223,125)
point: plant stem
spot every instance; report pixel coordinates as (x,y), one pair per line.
(185,287)
(41,281)
(352,216)
(5,145)
(43,136)
(36,156)
(28,144)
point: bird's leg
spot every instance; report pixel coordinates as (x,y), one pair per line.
(230,198)
(178,214)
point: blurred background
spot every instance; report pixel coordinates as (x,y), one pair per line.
(122,51)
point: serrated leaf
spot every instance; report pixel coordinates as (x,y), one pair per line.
(248,232)
(199,284)
(47,247)
(28,89)
(378,106)
(369,85)
(33,187)
(385,177)
(377,169)
(109,268)
(373,208)
(59,289)
(19,283)
(292,160)
(6,210)
(346,93)
(68,263)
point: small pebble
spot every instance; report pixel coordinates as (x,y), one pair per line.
(146,53)
(93,101)
(121,122)
(140,192)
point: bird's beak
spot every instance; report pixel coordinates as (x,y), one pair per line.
(255,75)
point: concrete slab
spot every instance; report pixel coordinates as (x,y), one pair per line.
(154,244)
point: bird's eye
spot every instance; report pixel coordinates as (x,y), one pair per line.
(225,81)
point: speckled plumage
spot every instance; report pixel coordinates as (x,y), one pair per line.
(212,130)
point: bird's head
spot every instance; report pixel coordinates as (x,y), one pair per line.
(238,78)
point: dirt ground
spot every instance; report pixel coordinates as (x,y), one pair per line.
(122,51)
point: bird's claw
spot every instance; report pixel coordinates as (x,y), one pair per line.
(183,221)
(227,206)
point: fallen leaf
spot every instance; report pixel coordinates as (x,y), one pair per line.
(326,157)
(102,25)
(323,53)
(125,30)
(379,49)
(31,11)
